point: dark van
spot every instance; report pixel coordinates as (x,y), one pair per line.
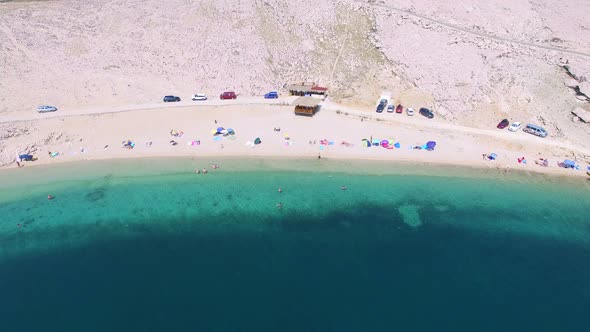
(535,130)
(171,99)
(426,112)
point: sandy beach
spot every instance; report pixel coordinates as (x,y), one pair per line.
(335,132)
(107,64)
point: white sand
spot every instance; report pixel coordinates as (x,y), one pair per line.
(459,145)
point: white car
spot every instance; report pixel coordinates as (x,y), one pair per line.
(199,96)
(410,111)
(46,108)
(515,126)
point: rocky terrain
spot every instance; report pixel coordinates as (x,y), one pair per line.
(473,62)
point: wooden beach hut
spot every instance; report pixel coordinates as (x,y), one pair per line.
(306,89)
(306,106)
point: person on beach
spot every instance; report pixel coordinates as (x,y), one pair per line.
(484,156)
(319,156)
(18,164)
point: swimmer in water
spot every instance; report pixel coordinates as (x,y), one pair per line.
(343,188)
(280,190)
(204,171)
(197,171)
(49,197)
(280,205)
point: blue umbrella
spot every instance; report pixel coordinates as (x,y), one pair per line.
(397,145)
(493,156)
(219,129)
(569,163)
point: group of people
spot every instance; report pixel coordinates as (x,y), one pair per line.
(204,170)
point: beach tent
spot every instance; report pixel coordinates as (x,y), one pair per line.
(430,145)
(366,142)
(257,141)
(569,163)
(493,156)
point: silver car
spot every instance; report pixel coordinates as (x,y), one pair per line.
(46,108)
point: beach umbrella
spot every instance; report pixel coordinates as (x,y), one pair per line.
(213,132)
(217,138)
(397,145)
(376,142)
(257,141)
(430,145)
(230,131)
(569,163)
(219,129)
(493,156)
(384,143)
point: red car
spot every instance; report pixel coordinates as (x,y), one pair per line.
(228,95)
(503,124)
(399,109)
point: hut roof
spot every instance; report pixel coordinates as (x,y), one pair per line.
(306,86)
(306,102)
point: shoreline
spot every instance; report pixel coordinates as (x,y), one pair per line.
(139,166)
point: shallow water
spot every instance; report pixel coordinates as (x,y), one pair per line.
(146,245)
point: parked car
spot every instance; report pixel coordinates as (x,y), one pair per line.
(503,124)
(271,95)
(399,109)
(46,108)
(426,112)
(199,96)
(535,130)
(228,95)
(515,126)
(390,108)
(410,111)
(171,99)
(382,105)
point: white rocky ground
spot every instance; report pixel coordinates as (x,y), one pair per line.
(474,62)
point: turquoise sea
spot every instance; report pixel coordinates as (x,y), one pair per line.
(147,245)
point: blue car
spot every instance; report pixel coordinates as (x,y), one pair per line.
(271,95)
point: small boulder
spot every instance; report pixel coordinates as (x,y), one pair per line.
(571,83)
